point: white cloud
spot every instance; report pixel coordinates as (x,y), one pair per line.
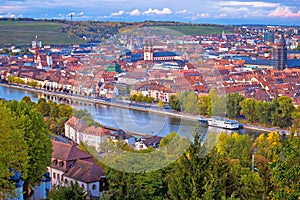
(120,12)
(71,13)
(200,15)
(234,9)
(81,13)
(164,11)
(249,3)
(181,11)
(284,11)
(135,12)
(222,15)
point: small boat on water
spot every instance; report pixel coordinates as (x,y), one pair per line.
(223,123)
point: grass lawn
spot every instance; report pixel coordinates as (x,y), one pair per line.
(23,32)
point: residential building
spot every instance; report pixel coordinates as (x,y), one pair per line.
(70,165)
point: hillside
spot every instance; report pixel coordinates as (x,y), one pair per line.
(199,29)
(21,33)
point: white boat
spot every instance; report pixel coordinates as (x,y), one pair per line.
(223,123)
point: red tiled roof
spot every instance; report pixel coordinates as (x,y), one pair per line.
(85,171)
(67,152)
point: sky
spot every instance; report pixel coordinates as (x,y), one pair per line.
(282,12)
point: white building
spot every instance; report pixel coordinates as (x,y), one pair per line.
(70,165)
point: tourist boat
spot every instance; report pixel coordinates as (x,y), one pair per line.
(223,123)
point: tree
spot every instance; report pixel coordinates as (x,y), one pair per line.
(283,109)
(248,109)
(204,102)
(174,103)
(11,79)
(160,104)
(36,135)
(217,107)
(233,104)
(43,107)
(263,111)
(190,102)
(33,84)
(72,192)
(54,110)
(65,110)
(27,99)
(13,149)
(286,171)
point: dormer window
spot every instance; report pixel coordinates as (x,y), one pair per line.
(61,164)
(54,162)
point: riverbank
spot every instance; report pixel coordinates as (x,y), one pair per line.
(133,106)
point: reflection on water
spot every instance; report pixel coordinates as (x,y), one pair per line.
(131,120)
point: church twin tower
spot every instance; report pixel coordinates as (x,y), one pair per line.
(148,52)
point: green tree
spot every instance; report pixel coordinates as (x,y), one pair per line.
(263,111)
(65,110)
(217,107)
(27,99)
(174,102)
(248,109)
(54,110)
(233,104)
(43,107)
(190,102)
(36,135)
(72,192)
(283,109)
(13,149)
(286,171)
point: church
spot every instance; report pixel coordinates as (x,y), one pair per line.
(150,55)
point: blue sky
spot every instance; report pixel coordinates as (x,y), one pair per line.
(195,11)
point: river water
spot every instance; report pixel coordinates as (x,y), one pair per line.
(126,119)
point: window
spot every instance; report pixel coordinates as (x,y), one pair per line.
(61,164)
(54,162)
(58,176)
(66,181)
(82,186)
(54,175)
(94,186)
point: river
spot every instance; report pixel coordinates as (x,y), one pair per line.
(126,119)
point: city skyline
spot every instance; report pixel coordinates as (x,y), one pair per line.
(194,11)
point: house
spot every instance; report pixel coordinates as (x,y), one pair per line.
(73,128)
(93,136)
(148,142)
(70,165)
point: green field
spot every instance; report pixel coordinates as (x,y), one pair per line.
(21,33)
(198,30)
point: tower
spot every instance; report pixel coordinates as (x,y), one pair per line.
(268,37)
(148,52)
(36,51)
(280,55)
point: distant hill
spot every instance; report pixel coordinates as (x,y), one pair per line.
(199,29)
(21,33)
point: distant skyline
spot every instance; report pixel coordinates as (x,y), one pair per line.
(284,12)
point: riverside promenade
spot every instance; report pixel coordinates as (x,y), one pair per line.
(135,106)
